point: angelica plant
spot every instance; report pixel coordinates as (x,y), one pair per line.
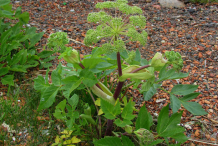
(113,109)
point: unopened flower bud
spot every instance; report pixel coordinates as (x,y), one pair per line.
(158,61)
(128,129)
(145,136)
(103,93)
(71,56)
(142,74)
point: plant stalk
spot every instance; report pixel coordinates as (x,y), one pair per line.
(140,68)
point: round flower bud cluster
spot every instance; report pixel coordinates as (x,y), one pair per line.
(131,57)
(58,41)
(175,59)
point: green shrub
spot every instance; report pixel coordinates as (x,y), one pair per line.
(17,42)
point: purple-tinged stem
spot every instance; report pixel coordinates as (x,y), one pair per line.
(81,65)
(108,132)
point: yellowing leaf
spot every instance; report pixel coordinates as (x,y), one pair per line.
(75,140)
(64,132)
(100,112)
(98,102)
(63,136)
(67,142)
(57,141)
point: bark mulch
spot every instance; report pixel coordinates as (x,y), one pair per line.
(191,31)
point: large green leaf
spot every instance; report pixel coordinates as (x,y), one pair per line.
(194,108)
(127,111)
(175,103)
(148,94)
(73,101)
(170,74)
(122,123)
(3,71)
(156,142)
(183,89)
(39,84)
(144,119)
(89,78)
(189,96)
(56,77)
(126,141)
(60,110)
(48,97)
(71,87)
(24,17)
(168,127)
(108,141)
(91,62)
(45,54)
(110,110)
(8,80)
(35,39)
(4,2)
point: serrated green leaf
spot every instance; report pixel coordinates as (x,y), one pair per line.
(73,101)
(163,118)
(175,103)
(110,110)
(8,80)
(4,2)
(60,110)
(89,78)
(3,71)
(92,62)
(148,94)
(177,75)
(194,108)
(180,137)
(156,142)
(127,111)
(35,38)
(48,97)
(170,74)
(137,56)
(126,141)
(189,96)
(71,87)
(56,78)
(123,123)
(183,89)
(108,141)
(166,126)
(24,17)
(144,119)
(45,54)
(39,84)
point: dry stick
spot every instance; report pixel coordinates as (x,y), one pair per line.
(205,142)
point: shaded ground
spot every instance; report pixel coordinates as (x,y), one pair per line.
(192,31)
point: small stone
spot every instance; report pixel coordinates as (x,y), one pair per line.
(210,110)
(212,75)
(191,10)
(163,41)
(188,37)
